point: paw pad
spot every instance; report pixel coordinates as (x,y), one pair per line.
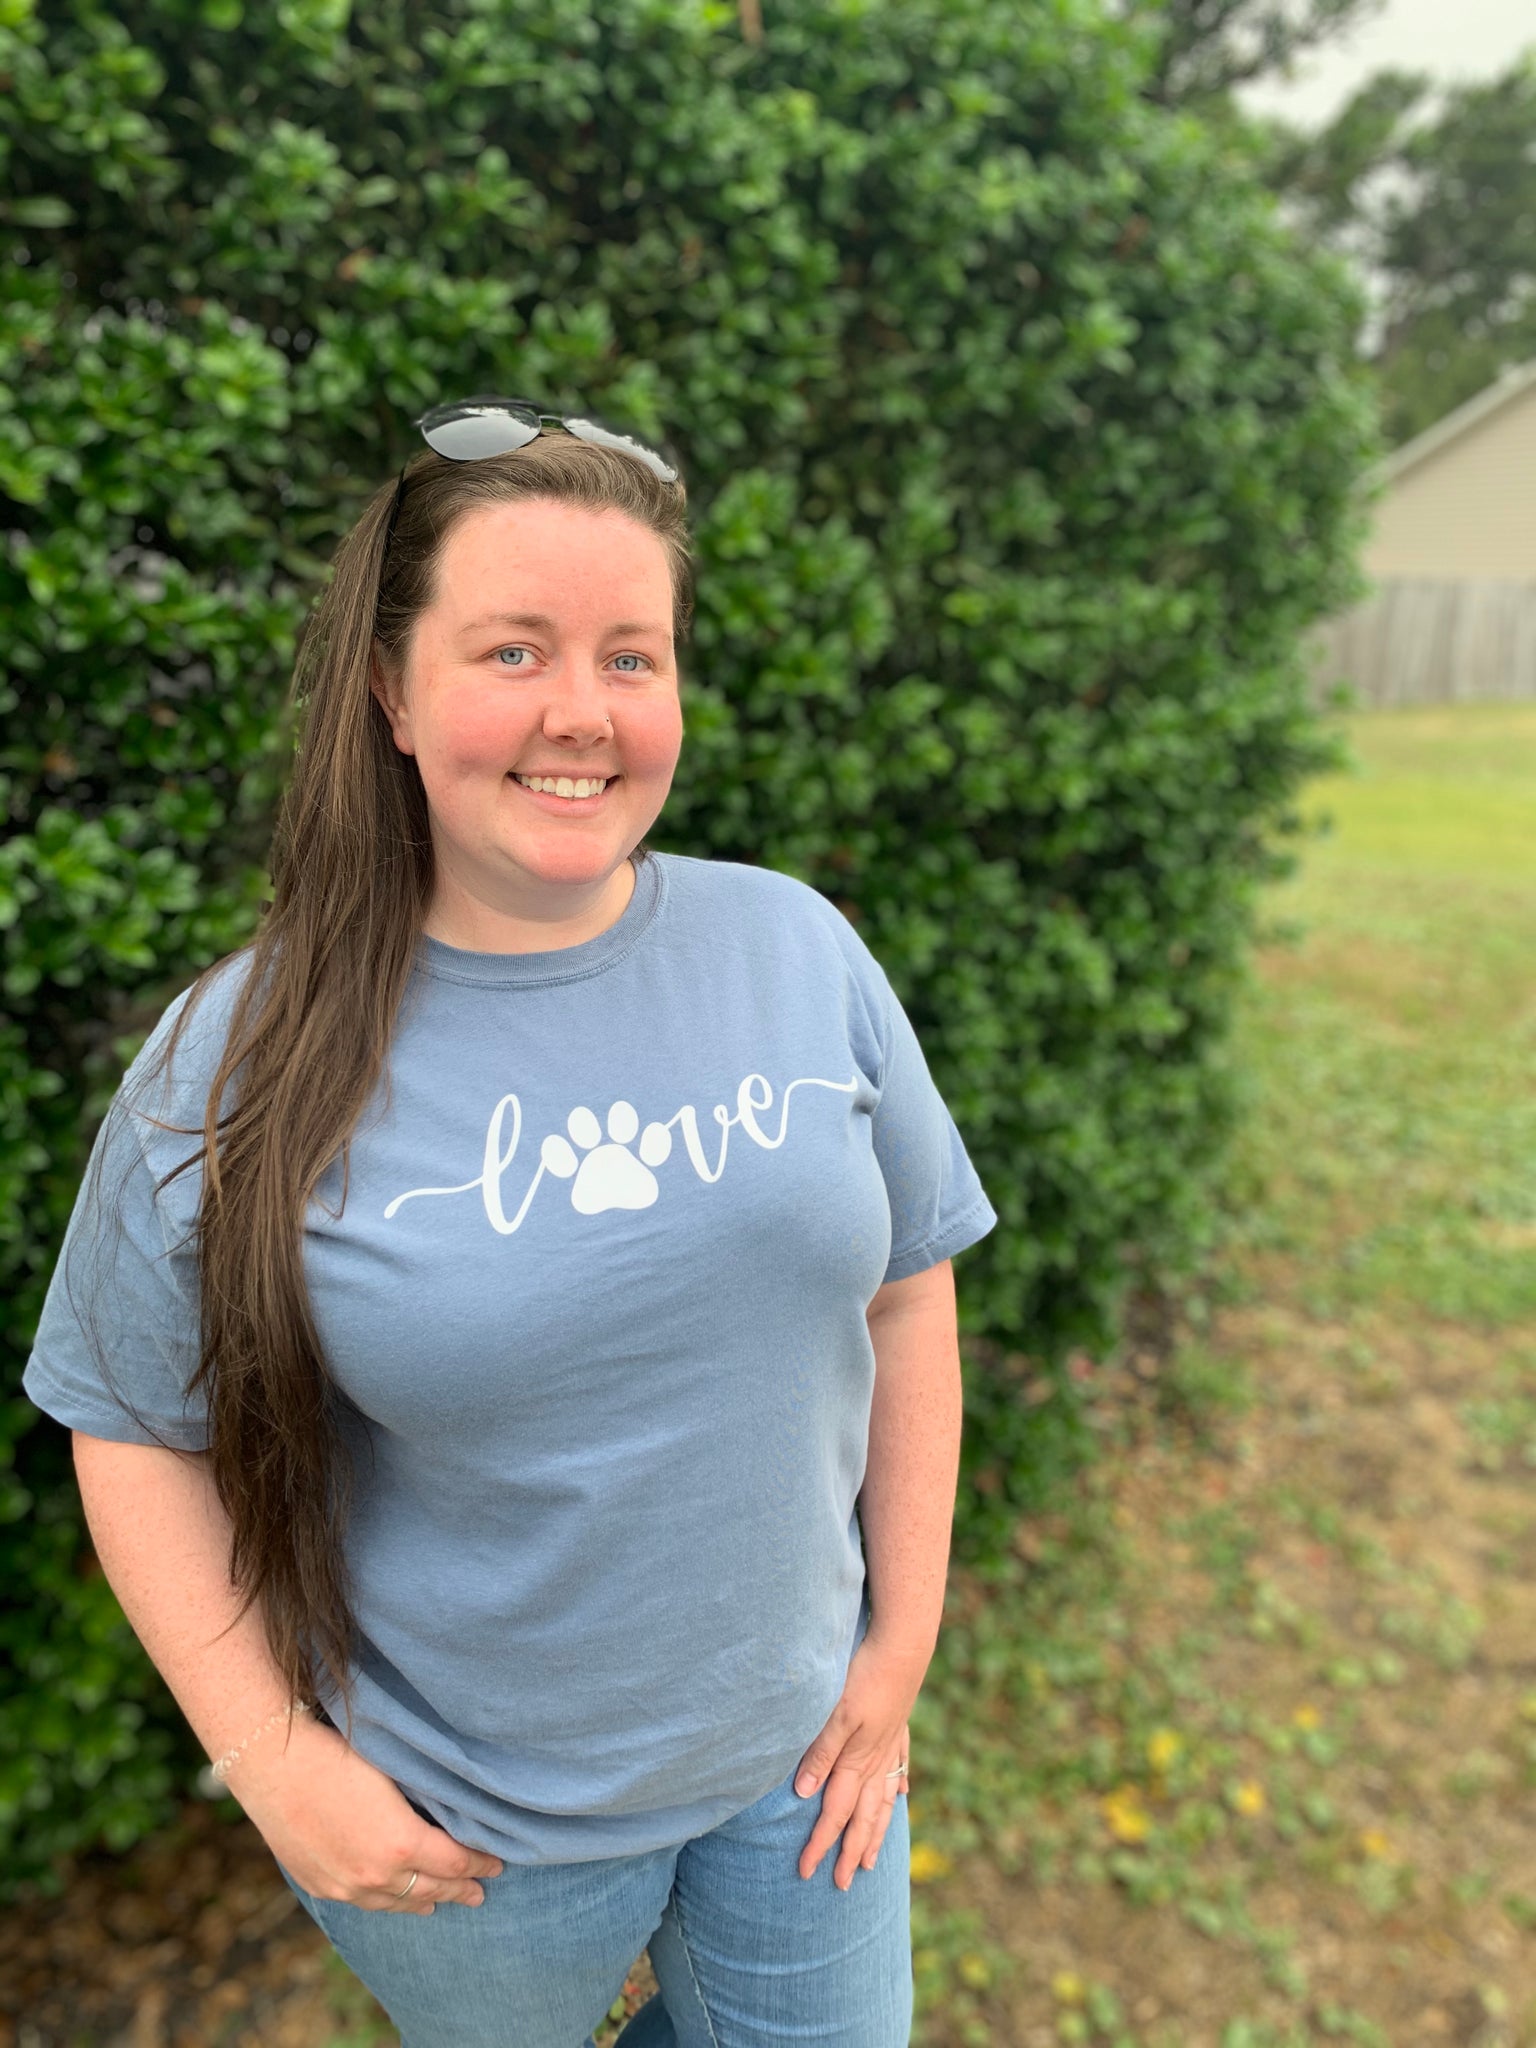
(610,1176)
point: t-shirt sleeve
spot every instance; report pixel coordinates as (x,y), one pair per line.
(938,1204)
(119,1288)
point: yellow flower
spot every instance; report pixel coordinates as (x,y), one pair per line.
(927,1862)
(1307,1717)
(1374,1842)
(1124,1814)
(1248,1797)
(1163,1745)
(1068,1987)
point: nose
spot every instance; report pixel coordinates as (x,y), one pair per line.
(579,714)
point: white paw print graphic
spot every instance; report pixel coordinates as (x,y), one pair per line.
(610,1177)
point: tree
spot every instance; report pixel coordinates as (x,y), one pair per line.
(1435,206)
(1209,46)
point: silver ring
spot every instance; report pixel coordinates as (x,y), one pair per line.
(899,1772)
(414,1875)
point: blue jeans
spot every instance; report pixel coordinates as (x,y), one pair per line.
(746,1951)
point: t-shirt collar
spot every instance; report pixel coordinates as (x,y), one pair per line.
(560,963)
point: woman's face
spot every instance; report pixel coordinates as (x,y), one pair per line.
(549,621)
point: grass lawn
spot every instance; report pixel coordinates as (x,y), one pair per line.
(1393,1141)
(1240,1751)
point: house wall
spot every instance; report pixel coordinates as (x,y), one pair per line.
(1466,509)
(1452,557)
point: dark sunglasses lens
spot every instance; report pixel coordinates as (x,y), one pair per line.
(589,430)
(470,433)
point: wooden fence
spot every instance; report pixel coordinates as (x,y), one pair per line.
(1422,640)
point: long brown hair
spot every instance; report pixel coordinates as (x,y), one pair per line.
(311,1026)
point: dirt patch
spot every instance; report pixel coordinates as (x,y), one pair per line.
(190,1941)
(1360,1599)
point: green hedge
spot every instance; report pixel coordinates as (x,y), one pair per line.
(1023,442)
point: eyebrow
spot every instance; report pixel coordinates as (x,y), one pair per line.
(541,623)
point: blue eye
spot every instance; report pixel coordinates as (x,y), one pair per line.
(518,649)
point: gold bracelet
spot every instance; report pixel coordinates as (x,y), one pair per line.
(220,1770)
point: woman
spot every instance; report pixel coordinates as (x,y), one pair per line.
(564,1282)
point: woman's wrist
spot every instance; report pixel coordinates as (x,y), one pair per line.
(277,1773)
(220,1770)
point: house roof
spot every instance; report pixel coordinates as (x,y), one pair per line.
(1512,381)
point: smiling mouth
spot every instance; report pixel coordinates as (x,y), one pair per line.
(571,802)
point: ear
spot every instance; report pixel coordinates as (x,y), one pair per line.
(392,700)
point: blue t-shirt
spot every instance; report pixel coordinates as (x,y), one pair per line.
(597,1294)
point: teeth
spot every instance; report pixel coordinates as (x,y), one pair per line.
(563,785)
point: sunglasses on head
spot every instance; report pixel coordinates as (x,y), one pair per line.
(465,429)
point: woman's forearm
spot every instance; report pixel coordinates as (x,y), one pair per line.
(907,1502)
(163,1539)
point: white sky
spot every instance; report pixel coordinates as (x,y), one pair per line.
(1456,41)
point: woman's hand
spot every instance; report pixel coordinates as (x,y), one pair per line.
(346,1831)
(865,1738)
